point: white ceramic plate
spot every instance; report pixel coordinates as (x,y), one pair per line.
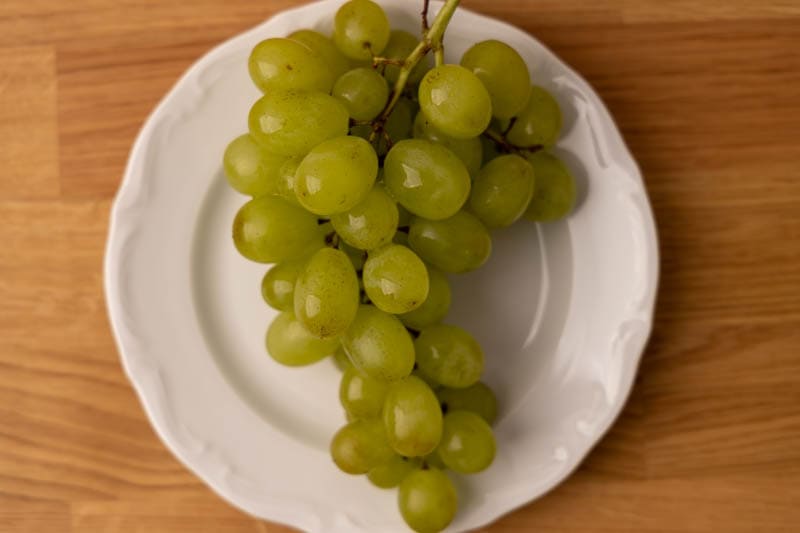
(563,310)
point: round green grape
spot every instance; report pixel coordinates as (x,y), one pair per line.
(457,244)
(477,398)
(436,305)
(336,175)
(290,344)
(502,191)
(391,473)
(449,355)
(277,286)
(427,500)
(360,395)
(363,92)
(469,151)
(400,45)
(281,64)
(370,224)
(539,123)
(360,446)
(379,345)
(360,29)
(395,279)
(412,417)
(555,191)
(324,48)
(341,360)
(503,73)
(426,178)
(269,230)
(455,101)
(468,444)
(249,168)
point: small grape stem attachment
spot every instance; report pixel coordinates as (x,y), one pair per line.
(508,147)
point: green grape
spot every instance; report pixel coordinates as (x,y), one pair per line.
(457,244)
(412,417)
(269,230)
(455,101)
(435,306)
(469,151)
(277,286)
(468,444)
(502,191)
(336,175)
(325,49)
(363,92)
(503,73)
(371,223)
(281,64)
(477,398)
(361,395)
(249,168)
(397,127)
(391,473)
(395,279)
(435,461)
(427,500)
(360,29)
(379,345)
(357,257)
(426,178)
(326,294)
(286,175)
(539,123)
(449,355)
(289,343)
(400,45)
(341,360)
(555,189)
(360,446)
(291,123)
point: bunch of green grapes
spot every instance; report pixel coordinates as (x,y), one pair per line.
(373,176)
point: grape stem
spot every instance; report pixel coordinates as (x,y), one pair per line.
(501,141)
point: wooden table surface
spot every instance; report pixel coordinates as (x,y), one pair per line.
(707,94)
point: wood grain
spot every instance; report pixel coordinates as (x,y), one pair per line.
(706,94)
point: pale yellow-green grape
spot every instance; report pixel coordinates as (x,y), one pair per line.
(277,286)
(468,444)
(360,446)
(477,398)
(289,343)
(269,230)
(361,395)
(391,473)
(502,191)
(449,355)
(341,360)
(555,191)
(363,92)
(539,123)
(281,64)
(336,175)
(412,417)
(357,257)
(395,279)
(457,244)
(286,175)
(379,345)
(360,29)
(436,305)
(427,500)
(400,45)
(249,168)
(371,223)
(324,48)
(469,151)
(326,293)
(426,178)
(503,73)
(291,123)
(455,101)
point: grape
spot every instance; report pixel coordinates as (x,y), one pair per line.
(363,92)
(430,382)
(379,345)
(455,101)
(539,122)
(360,446)
(468,444)
(281,64)
(449,355)
(391,473)
(286,177)
(397,127)
(360,29)
(502,191)
(434,460)
(249,168)
(357,257)
(426,178)
(341,360)
(477,398)
(395,279)
(457,244)
(289,343)
(469,151)
(326,294)
(489,149)
(435,306)
(555,189)
(269,230)
(503,73)
(324,48)
(427,500)
(412,417)
(336,175)
(277,286)
(291,123)
(361,395)
(400,45)
(371,223)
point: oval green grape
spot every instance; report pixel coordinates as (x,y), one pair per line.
(280,64)
(539,123)
(391,473)
(360,446)
(412,417)
(436,305)
(363,92)
(449,355)
(277,286)
(249,168)
(555,193)
(291,344)
(427,500)
(395,279)
(455,101)
(269,230)
(457,244)
(371,223)
(379,345)
(477,398)
(504,74)
(502,191)
(468,445)
(360,395)
(360,29)
(324,48)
